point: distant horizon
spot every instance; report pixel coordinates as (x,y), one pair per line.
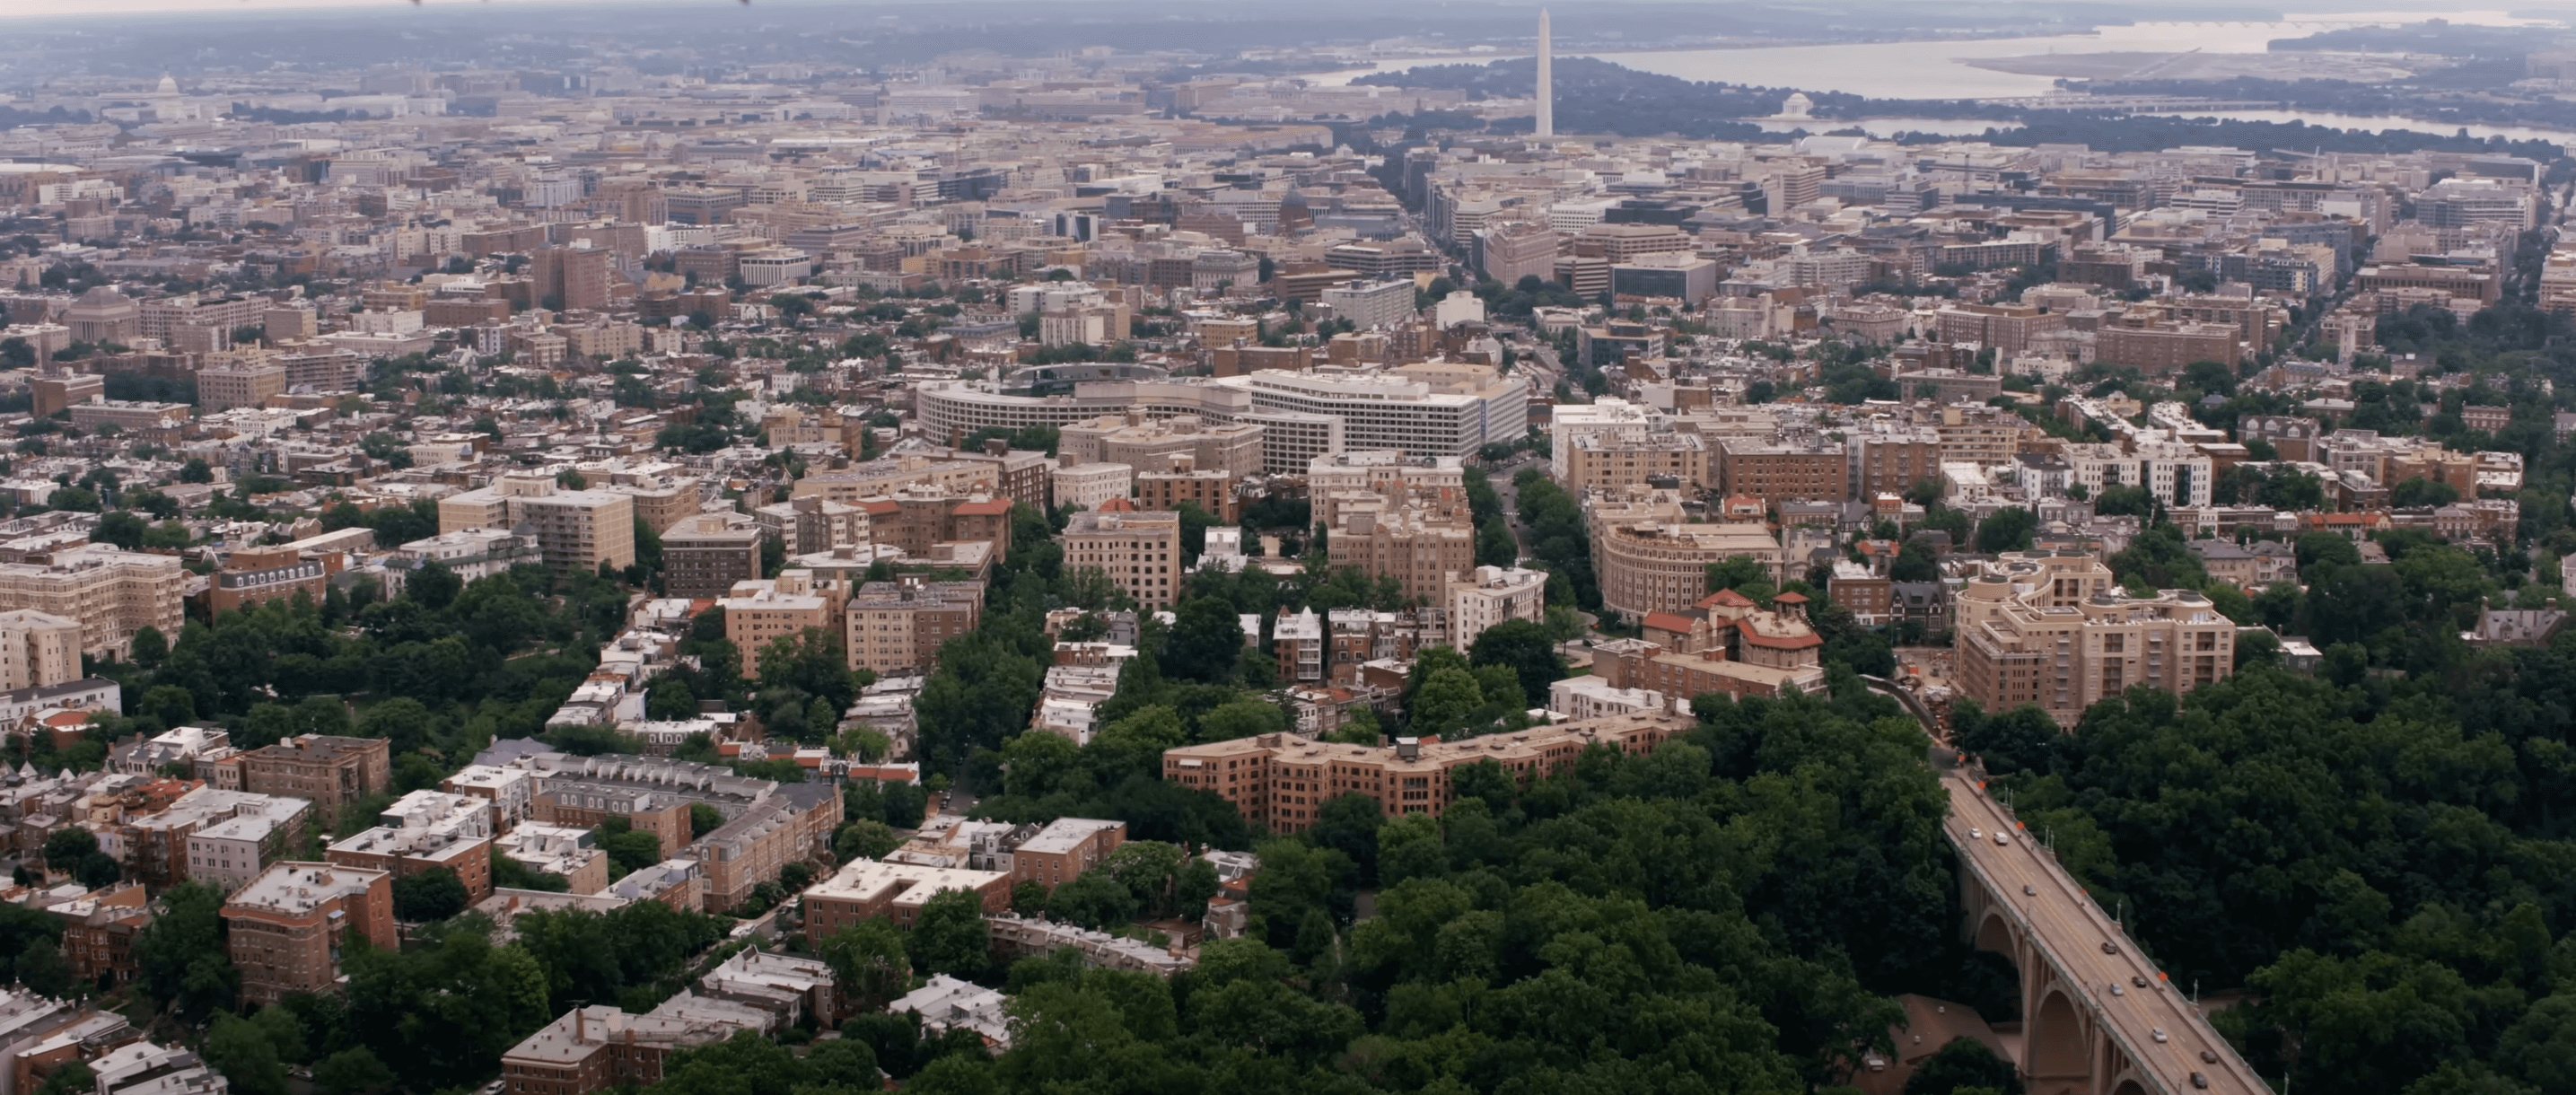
(57,9)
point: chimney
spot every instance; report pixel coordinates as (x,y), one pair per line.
(581,1024)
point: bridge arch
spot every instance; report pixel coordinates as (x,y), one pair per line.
(2055,1043)
(1995,934)
(2130,1086)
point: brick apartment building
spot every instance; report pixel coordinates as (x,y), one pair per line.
(328,770)
(1281,781)
(285,929)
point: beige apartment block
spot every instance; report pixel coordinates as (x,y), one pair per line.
(1653,566)
(897,627)
(574,528)
(1420,548)
(1141,552)
(1622,458)
(38,649)
(2025,641)
(1153,444)
(1281,781)
(762,611)
(110,591)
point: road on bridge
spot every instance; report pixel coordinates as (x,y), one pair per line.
(2072,929)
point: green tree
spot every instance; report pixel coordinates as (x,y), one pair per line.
(869,962)
(950,936)
(1524,648)
(1205,642)
(353,1071)
(1963,1065)
(433,894)
(243,1053)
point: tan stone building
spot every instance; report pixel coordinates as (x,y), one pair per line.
(2052,630)
(1141,552)
(1421,548)
(1281,781)
(761,611)
(1619,458)
(112,592)
(897,627)
(1154,443)
(38,649)
(575,529)
(1656,566)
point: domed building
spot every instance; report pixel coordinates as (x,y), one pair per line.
(1797,106)
(104,315)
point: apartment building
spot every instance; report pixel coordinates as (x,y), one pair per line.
(238,384)
(1887,458)
(1154,443)
(110,591)
(1087,486)
(1420,547)
(1480,598)
(600,1047)
(864,889)
(1781,471)
(1723,644)
(1211,491)
(787,826)
(509,794)
(1062,850)
(1653,566)
(704,555)
(2024,641)
(284,931)
(175,845)
(2162,348)
(761,611)
(1609,459)
(561,850)
(814,523)
(574,529)
(327,770)
(896,628)
(38,649)
(430,830)
(1141,552)
(1281,781)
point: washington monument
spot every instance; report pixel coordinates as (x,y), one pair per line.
(1546,83)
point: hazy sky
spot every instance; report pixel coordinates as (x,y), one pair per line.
(9,8)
